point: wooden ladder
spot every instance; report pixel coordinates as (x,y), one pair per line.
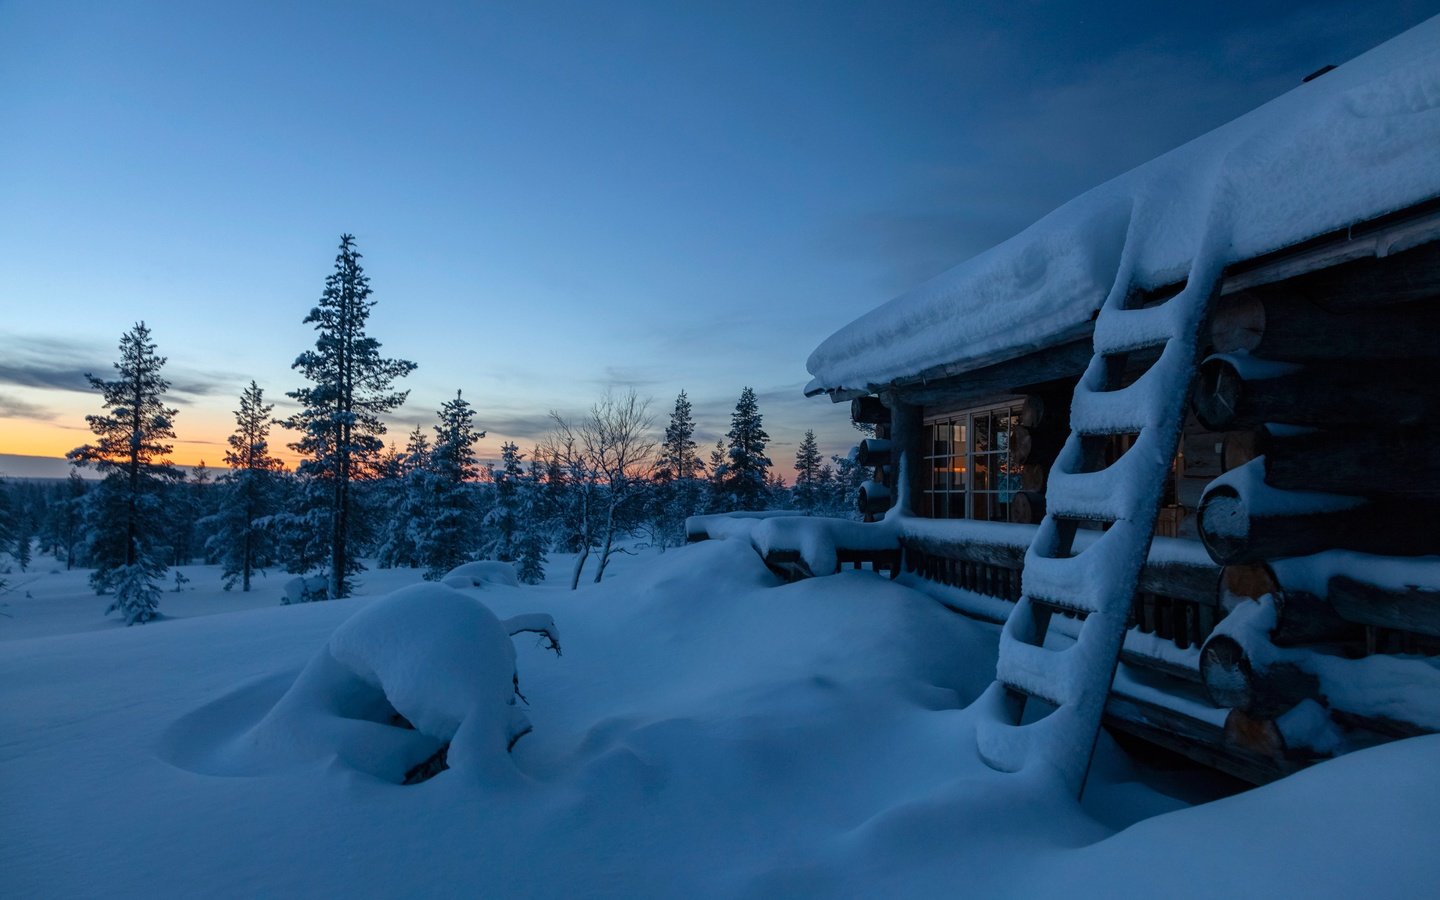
(1095,585)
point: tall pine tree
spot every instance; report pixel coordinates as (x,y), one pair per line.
(351,387)
(809,479)
(126,516)
(747,468)
(250,492)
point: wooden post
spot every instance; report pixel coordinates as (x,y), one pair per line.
(906,434)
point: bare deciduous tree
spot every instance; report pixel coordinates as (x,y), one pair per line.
(607,457)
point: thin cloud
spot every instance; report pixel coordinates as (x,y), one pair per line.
(14,408)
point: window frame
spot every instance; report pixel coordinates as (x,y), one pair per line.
(974,462)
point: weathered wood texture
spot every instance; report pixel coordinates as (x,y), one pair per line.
(1370,461)
(1387,395)
(1290,328)
(1411,609)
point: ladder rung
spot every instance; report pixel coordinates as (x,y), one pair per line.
(1124,330)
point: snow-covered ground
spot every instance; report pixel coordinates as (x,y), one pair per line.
(708,731)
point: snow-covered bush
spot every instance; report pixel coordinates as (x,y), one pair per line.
(428,660)
(137,596)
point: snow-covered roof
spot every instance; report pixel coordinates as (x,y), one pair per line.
(1358,143)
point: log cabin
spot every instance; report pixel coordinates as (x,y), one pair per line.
(1282,437)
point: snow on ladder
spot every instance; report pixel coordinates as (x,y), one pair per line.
(1095,585)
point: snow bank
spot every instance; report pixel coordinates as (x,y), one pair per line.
(815,539)
(710,732)
(1345,148)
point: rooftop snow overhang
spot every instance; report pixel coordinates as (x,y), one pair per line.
(1353,147)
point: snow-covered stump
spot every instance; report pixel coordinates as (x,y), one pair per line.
(419,681)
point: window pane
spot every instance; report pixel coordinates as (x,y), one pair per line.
(980,480)
(982,506)
(957,437)
(957,505)
(982,433)
(938,445)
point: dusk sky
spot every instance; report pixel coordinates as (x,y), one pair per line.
(557,198)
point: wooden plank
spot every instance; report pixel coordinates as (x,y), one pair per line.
(1410,609)
(1196,740)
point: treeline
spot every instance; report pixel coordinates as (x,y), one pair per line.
(591,486)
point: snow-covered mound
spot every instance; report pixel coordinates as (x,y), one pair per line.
(481,573)
(1348,147)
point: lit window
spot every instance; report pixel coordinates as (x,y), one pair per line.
(969,471)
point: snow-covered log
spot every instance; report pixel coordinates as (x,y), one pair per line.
(873,452)
(1242,519)
(1301,617)
(873,498)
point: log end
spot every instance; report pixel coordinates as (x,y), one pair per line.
(1224,526)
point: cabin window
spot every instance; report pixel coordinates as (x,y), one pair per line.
(969,470)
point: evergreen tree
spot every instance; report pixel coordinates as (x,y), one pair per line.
(677,476)
(126,517)
(678,456)
(718,469)
(503,519)
(9,520)
(533,521)
(351,387)
(399,540)
(448,536)
(808,481)
(747,468)
(241,541)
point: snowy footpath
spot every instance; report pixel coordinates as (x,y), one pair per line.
(707,732)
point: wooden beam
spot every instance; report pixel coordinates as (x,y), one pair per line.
(1394,461)
(1234,532)
(1410,609)
(1284,325)
(1383,395)
(1300,617)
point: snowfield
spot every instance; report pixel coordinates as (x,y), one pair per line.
(708,732)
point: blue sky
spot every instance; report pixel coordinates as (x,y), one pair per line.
(555,198)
